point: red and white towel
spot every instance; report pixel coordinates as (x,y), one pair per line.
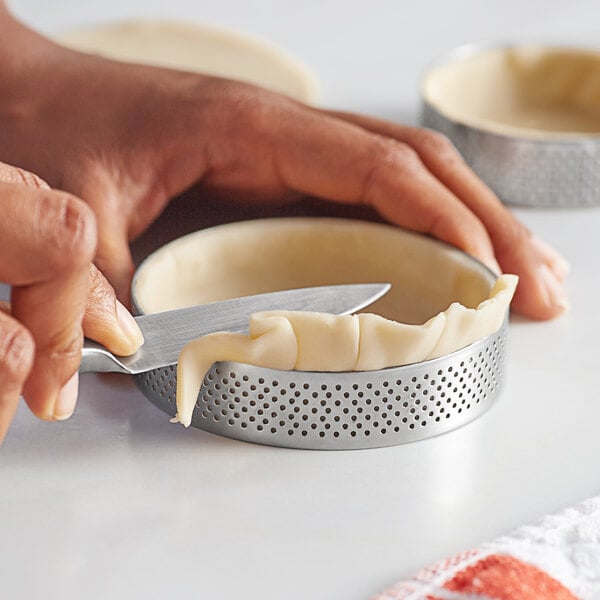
(557,558)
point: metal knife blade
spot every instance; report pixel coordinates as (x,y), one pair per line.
(166,333)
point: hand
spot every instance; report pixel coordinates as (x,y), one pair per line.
(49,240)
(127,138)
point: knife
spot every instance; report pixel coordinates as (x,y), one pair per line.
(165,333)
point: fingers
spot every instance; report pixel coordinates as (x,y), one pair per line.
(16,359)
(558,264)
(540,294)
(49,243)
(10,174)
(114,259)
(113,255)
(106,320)
(327,157)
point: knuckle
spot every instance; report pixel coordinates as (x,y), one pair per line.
(390,160)
(397,156)
(10,174)
(246,126)
(250,107)
(70,228)
(65,347)
(435,143)
(17,349)
(30,179)
(433,140)
(100,291)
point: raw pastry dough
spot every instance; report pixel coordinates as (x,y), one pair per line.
(199,48)
(308,341)
(267,255)
(271,341)
(540,92)
(440,300)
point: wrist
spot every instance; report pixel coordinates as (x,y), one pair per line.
(30,66)
(26,59)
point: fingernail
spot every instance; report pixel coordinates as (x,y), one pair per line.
(554,289)
(558,263)
(129,326)
(66,399)
(561,267)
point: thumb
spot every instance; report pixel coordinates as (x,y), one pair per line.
(106,320)
(113,256)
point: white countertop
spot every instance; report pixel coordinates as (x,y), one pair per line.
(119,503)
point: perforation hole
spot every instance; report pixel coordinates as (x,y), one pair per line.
(341,407)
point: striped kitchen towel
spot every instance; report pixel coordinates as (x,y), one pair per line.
(557,558)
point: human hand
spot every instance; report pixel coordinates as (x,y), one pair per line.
(49,240)
(127,138)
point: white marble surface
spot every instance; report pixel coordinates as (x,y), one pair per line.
(118,503)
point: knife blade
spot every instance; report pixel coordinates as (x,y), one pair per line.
(165,333)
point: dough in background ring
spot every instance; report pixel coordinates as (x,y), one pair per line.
(198,48)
